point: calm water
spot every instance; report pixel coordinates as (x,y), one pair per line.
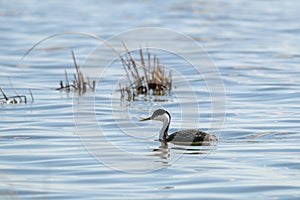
(255,46)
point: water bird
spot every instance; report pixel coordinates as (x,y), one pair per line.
(190,137)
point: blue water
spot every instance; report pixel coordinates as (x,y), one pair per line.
(50,149)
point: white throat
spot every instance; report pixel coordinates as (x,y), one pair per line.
(165,119)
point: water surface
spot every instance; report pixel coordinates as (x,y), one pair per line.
(255,46)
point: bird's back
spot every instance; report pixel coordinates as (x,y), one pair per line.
(191,137)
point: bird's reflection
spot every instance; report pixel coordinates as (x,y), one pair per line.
(164,151)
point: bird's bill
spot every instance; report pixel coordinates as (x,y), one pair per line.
(145,119)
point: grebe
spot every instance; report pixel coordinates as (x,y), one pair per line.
(191,137)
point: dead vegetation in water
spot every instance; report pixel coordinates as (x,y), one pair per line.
(16,98)
(80,84)
(145,77)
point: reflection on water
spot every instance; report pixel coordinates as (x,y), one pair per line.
(254,44)
(164,150)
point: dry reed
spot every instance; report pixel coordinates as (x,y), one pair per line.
(145,77)
(80,84)
(14,99)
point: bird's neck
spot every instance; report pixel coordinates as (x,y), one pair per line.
(164,130)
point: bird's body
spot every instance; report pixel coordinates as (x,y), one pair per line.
(191,137)
(183,137)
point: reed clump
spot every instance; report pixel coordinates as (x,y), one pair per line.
(80,84)
(16,98)
(145,77)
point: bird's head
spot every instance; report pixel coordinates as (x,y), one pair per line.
(159,115)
